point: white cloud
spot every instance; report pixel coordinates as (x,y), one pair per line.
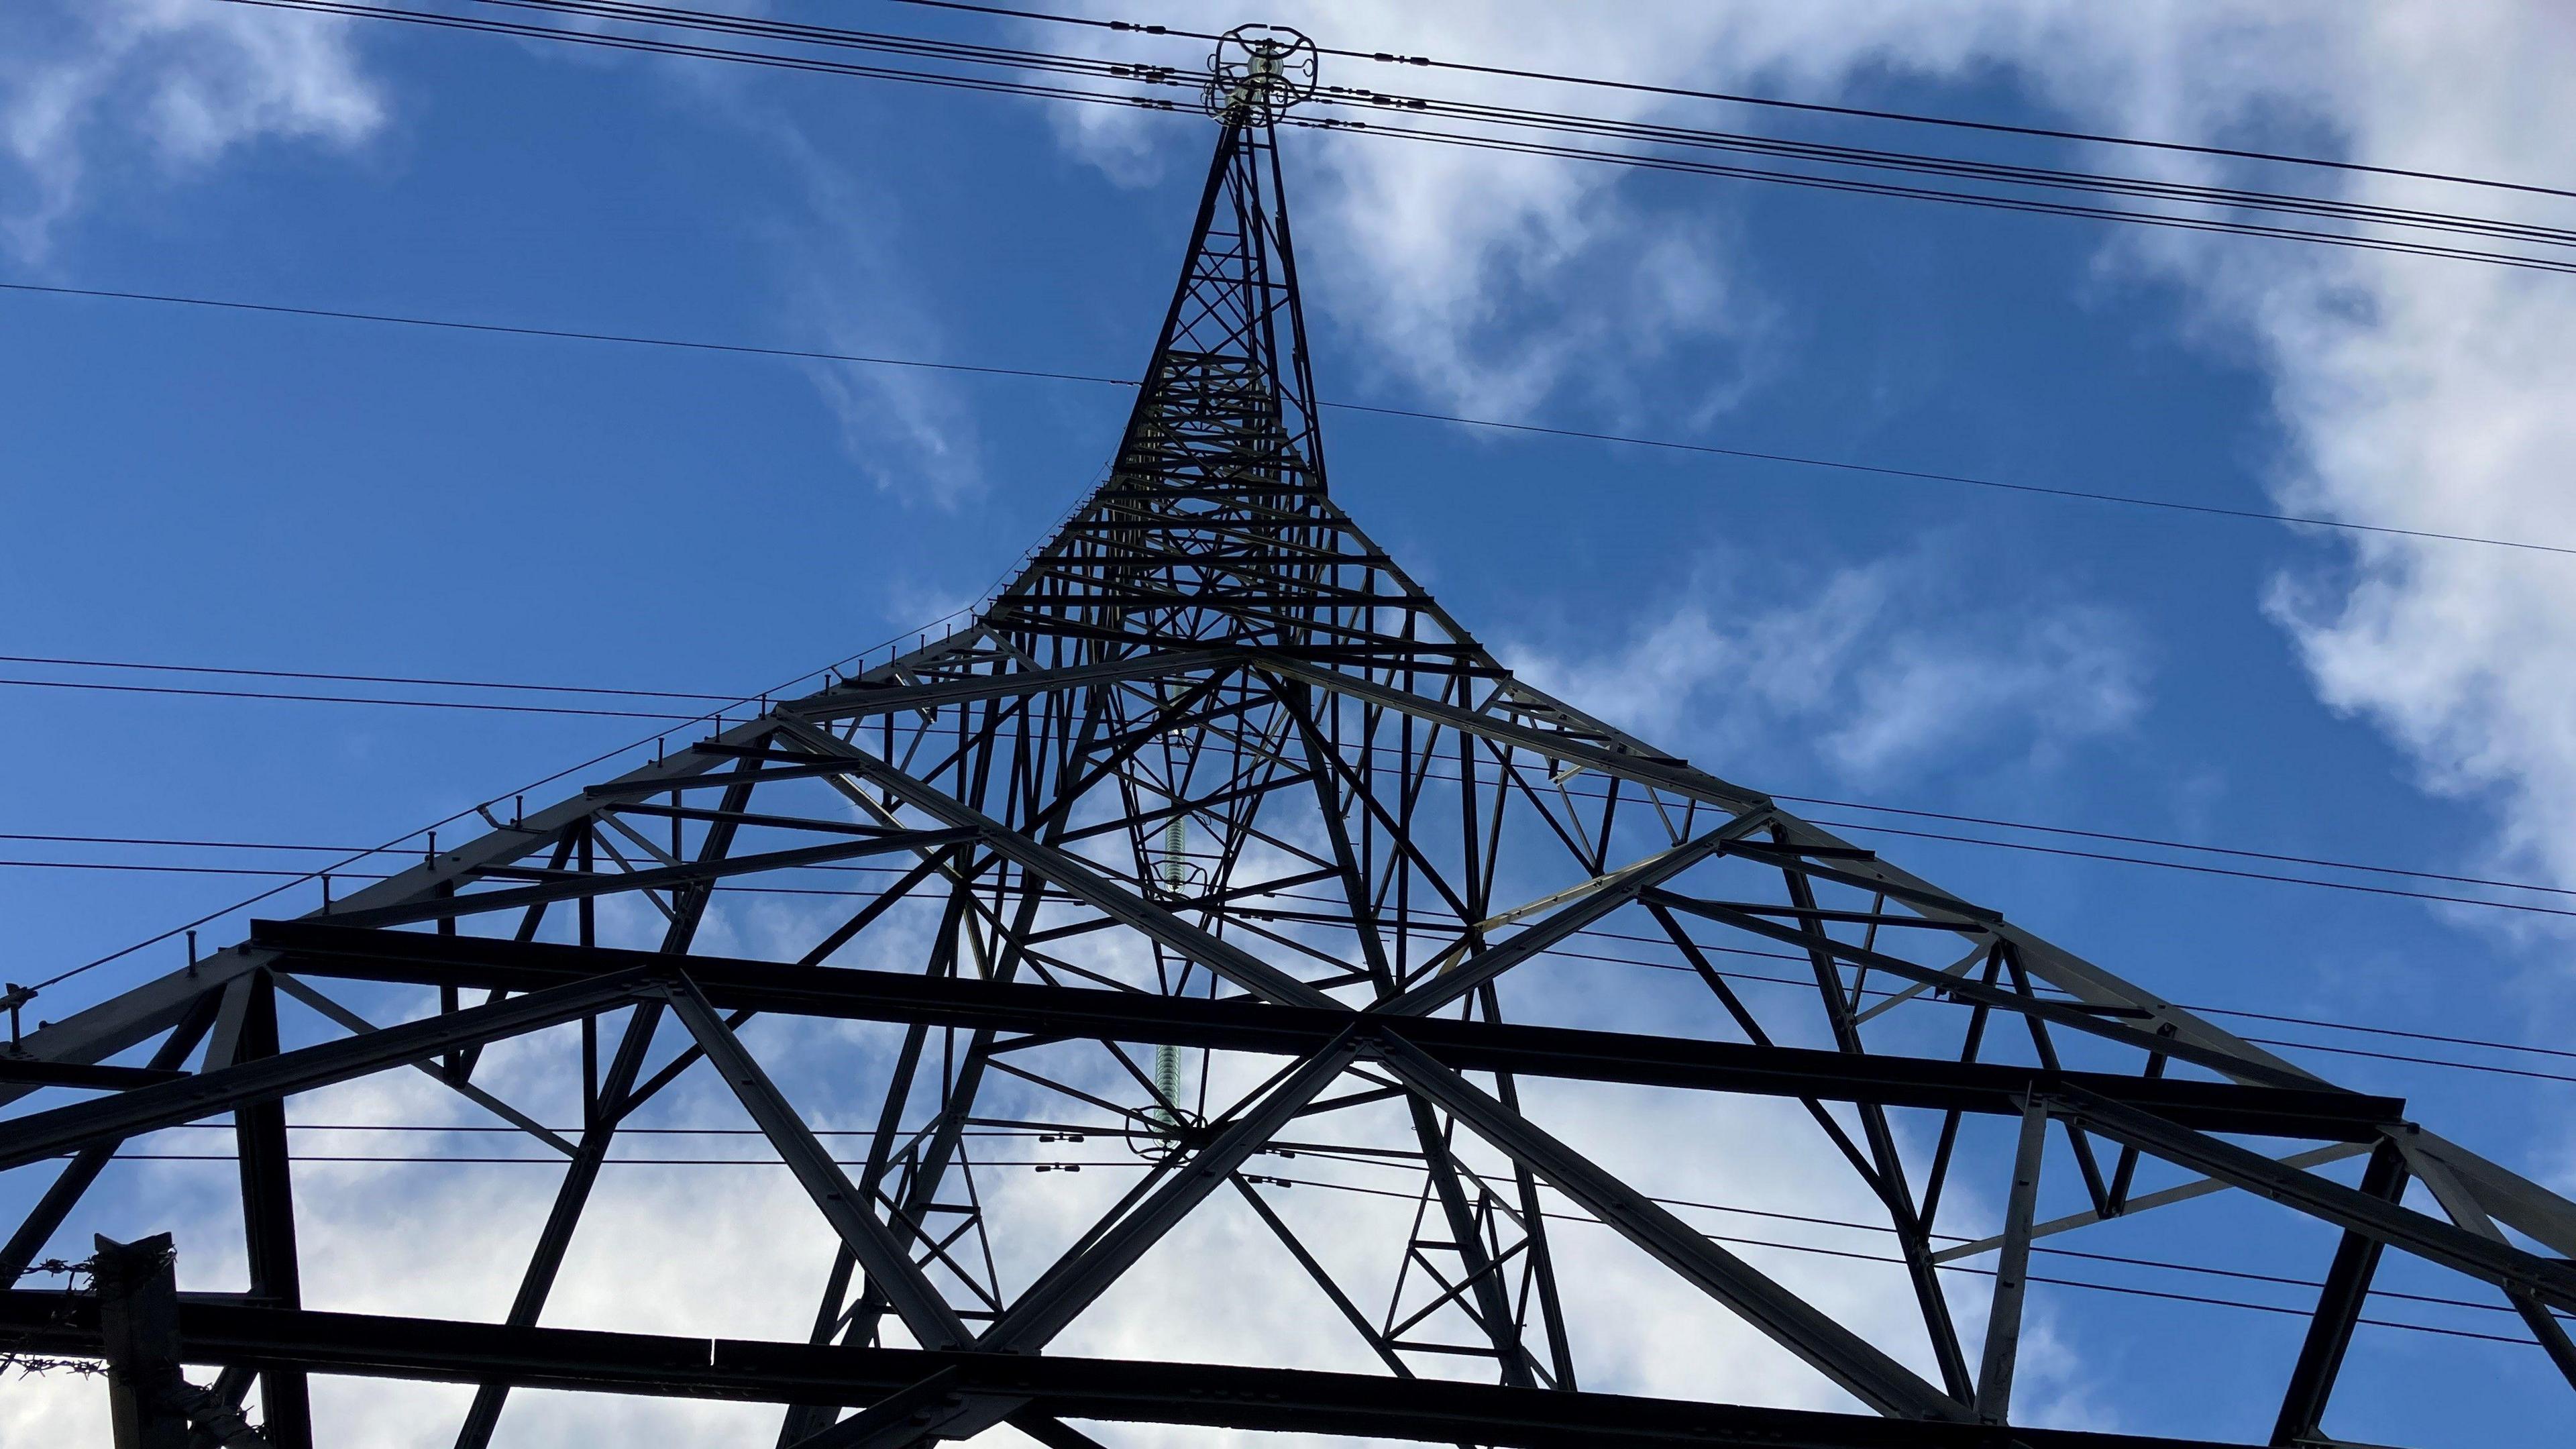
(910,431)
(91,91)
(840,244)
(1453,262)
(2443,405)
(93,86)
(2426,395)
(2419,393)
(1883,666)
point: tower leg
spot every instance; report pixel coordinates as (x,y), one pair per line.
(138,1319)
(151,1404)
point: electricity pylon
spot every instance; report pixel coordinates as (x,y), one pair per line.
(1214,776)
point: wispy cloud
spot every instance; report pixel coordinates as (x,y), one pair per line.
(2412,392)
(1491,282)
(841,244)
(92,90)
(1873,669)
(2442,404)
(2420,393)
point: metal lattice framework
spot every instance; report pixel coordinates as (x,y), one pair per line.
(1384,840)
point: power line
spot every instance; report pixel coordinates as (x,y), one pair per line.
(292,878)
(783,687)
(542,781)
(2232,873)
(2049,179)
(1808,107)
(355,678)
(1979,200)
(1523,117)
(522,1160)
(1514,117)
(2169,844)
(1352,1157)
(296,876)
(2038,178)
(1922,475)
(1046,1132)
(1164,76)
(1880,470)
(2148,840)
(565,334)
(2421,1061)
(2027,847)
(1809,984)
(2031,847)
(284,697)
(1373,1157)
(1597,932)
(1958,123)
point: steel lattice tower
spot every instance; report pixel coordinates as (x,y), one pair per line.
(1225,841)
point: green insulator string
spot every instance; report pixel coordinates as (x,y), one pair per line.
(1167,1058)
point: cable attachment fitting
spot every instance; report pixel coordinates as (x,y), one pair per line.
(1258,72)
(1159,1133)
(13,998)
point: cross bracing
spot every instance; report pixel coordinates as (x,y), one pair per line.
(1384,840)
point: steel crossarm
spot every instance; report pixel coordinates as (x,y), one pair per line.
(1238,1024)
(583,884)
(86,1165)
(858,701)
(1112,1390)
(40,1135)
(1653,770)
(2215,1058)
(1211,725)
(134,1016)
(2550,1280)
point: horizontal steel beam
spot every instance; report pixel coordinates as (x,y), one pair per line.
(1240,1024)
(2552,1280)
(1118,1391)
(35,1071)
(858,699)
(1663,772)
(40,1135)
(2067,1014)
(127,1020)
(579,884)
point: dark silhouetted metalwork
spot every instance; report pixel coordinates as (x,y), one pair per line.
(1212,773)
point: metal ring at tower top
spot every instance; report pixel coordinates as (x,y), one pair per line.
(1261,70)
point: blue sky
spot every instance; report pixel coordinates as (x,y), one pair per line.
(213,488)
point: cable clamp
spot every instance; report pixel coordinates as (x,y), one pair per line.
(14,997)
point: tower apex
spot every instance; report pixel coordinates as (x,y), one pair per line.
(1258,71)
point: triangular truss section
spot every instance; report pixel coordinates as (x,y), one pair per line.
(1216,844)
